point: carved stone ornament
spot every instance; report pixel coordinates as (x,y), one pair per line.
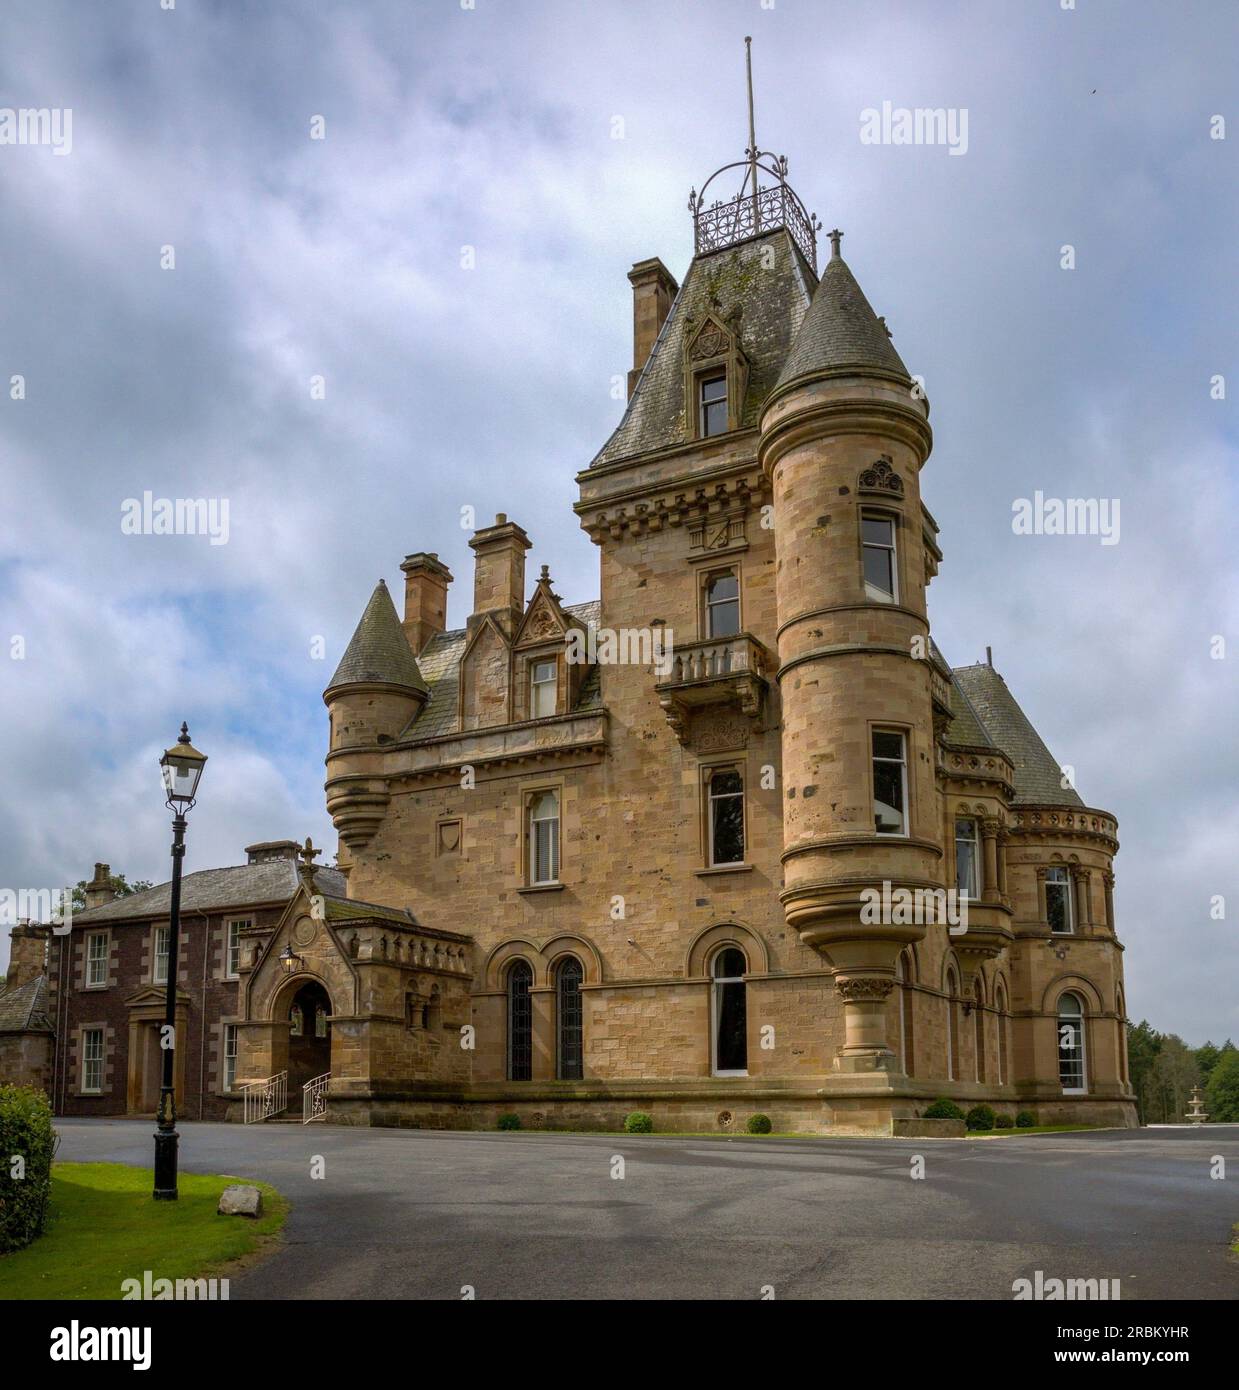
(867,988)
(710,342)
(881,477)
(715,733)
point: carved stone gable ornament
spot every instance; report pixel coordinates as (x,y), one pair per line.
(710,342)
(880,476)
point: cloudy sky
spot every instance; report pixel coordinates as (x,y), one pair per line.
(559,141)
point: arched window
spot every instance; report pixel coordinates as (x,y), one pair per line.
(978,1015)
(296,1027)
(520,1021)
(904,972)
(1072,1063)
(729,1014)
(544,838)
(432,1014)
(1000,1005)
(568,1020)
(952,1024)
(320,1021)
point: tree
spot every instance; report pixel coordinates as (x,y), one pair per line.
(1222,1093)
(1175,1072)
(1207,1058)
(118,886)
(1143,1045)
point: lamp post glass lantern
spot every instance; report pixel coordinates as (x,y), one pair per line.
(181,767)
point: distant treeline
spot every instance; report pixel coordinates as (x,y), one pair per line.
(1164,1069)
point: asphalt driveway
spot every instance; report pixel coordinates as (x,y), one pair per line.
(405,1214)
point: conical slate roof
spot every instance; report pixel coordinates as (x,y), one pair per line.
(840,330)
(1038,777)
(379,650)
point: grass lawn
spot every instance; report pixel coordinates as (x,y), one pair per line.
(103,1227)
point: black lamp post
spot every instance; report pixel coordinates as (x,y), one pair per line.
(182,767)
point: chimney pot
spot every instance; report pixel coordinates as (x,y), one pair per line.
(653,292)
(426,580)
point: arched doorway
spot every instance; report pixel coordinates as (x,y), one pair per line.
(309,1037)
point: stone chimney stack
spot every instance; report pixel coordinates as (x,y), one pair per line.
(27,953)
(426,579)
(499,574)
(99,890)
(653,291)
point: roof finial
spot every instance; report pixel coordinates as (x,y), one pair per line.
(748,67)
(836,237)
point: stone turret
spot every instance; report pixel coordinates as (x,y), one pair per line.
(374,695)
(843,438)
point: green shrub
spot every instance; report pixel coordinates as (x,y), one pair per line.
(509,1121)
(980,1117)
(943,1109)
(25,1132)
(1003,1122)
(639,1123)
(1025,1120)
(759,1124)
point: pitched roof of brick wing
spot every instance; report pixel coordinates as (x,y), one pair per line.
(213,890)
(1038,777)
(773,299)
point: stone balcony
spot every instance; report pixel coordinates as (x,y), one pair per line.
(716,671)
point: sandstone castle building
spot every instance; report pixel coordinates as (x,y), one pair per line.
(625,854)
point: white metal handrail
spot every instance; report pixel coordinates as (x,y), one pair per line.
(314,1099)
(265,1099)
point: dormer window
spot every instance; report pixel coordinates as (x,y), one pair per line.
(712,405)
(542,688)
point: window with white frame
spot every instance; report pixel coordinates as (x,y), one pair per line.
(542,688)
(725,816)
(232,949)
(877,535)
(1072,1069)
(890,783)
(96,960)
(723,604)
(159,971)
(712,405)
(544,838)
(230,1056)
(92,1060)
(1058,900)
(967,862)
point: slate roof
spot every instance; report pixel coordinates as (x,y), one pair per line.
(840,330)
(440,663)
(24,1009)
(378,649)
(773,300)
(212,890)
(966,729)
(1037,773)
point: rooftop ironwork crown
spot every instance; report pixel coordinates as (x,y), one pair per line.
(757,207)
